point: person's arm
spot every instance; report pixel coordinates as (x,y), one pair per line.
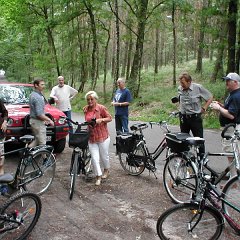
(4,113)
(224,112)
(206,105)
(73,93)
(106,116)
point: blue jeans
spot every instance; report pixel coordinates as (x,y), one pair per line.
(69,115)
(121,123)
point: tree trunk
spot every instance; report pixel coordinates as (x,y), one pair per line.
(232,31)
(137,59)
(156,62)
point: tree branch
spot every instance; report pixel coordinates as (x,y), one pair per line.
(132,10)
(151,12)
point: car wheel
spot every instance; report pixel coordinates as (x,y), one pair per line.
(59,145)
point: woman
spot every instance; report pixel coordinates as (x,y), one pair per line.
(99,138)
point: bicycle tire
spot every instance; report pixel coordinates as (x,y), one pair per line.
(174,223)
(25,208)
(179,178)
(133,163)
(74,172)
(231,193)
(37,181)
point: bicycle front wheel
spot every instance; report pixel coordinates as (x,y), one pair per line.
(73,173)
(133,163)
(179,178)
(187,221)
(39,173)
(230,194)
(19,215)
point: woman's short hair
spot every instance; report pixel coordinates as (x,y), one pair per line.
(92,94)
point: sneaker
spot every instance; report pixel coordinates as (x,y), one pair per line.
(98,182)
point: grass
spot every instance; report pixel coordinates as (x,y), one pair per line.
(154,101)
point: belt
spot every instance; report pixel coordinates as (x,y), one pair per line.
(194,115)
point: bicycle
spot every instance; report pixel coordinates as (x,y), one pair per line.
(81,157)
(19,214)
(134,154)
(36,167)
(180,170)
(198,219)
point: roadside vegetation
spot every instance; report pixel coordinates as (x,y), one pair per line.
(154,101)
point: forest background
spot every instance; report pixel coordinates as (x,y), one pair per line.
(149,42)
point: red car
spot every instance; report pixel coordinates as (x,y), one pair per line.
(16,100)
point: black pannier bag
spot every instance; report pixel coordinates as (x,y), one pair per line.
(177,142)
(79,138)
(126,142)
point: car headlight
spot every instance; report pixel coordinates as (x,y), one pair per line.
(10,121)
(61,120)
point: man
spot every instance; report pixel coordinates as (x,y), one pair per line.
(229,112)
(121,101)
(62,95)
(191,108)
(38,119)
(3,124)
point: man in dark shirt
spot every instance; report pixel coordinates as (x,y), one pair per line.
(229,112)
(3,124)
(38,119)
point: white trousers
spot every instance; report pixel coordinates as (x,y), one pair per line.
(99,152)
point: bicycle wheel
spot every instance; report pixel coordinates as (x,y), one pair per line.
(73,174)
(133,163)
(39,172)
(176,223)
(231,193)
(19,215)
(179,178)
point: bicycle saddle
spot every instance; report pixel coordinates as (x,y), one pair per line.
(195,141)
(6,178)
(26,138)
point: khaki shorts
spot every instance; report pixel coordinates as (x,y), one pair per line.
(39,132)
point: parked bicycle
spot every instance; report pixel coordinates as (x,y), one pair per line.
(180,171)
(134,154)
(197,219)
(19,214)
(81,157)
(36,167)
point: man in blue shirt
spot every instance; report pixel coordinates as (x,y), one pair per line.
(121,101)
(229,112)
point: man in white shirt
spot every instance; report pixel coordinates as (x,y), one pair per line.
(62,95)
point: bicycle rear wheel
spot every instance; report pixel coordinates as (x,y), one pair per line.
(176,223)
(74,171)
(38,172)
(19,215)
(87,163)
(231,193)
(133,163)
(179,178)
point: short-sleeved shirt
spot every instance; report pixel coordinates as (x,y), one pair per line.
(37,104)
(232,104)
(63,95)
(99,132)
(122,95)
(191,99)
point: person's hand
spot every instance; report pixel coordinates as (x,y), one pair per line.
(113,103)
(215,105)
(49,122)
(4,126)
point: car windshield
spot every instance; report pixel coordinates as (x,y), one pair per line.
(13,94)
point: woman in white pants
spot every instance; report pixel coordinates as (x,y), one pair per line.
(99,138)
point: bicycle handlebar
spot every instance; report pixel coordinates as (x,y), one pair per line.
(92,122)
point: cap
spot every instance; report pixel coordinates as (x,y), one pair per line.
(232,76)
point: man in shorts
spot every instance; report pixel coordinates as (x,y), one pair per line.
(229,112)
(38,119)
